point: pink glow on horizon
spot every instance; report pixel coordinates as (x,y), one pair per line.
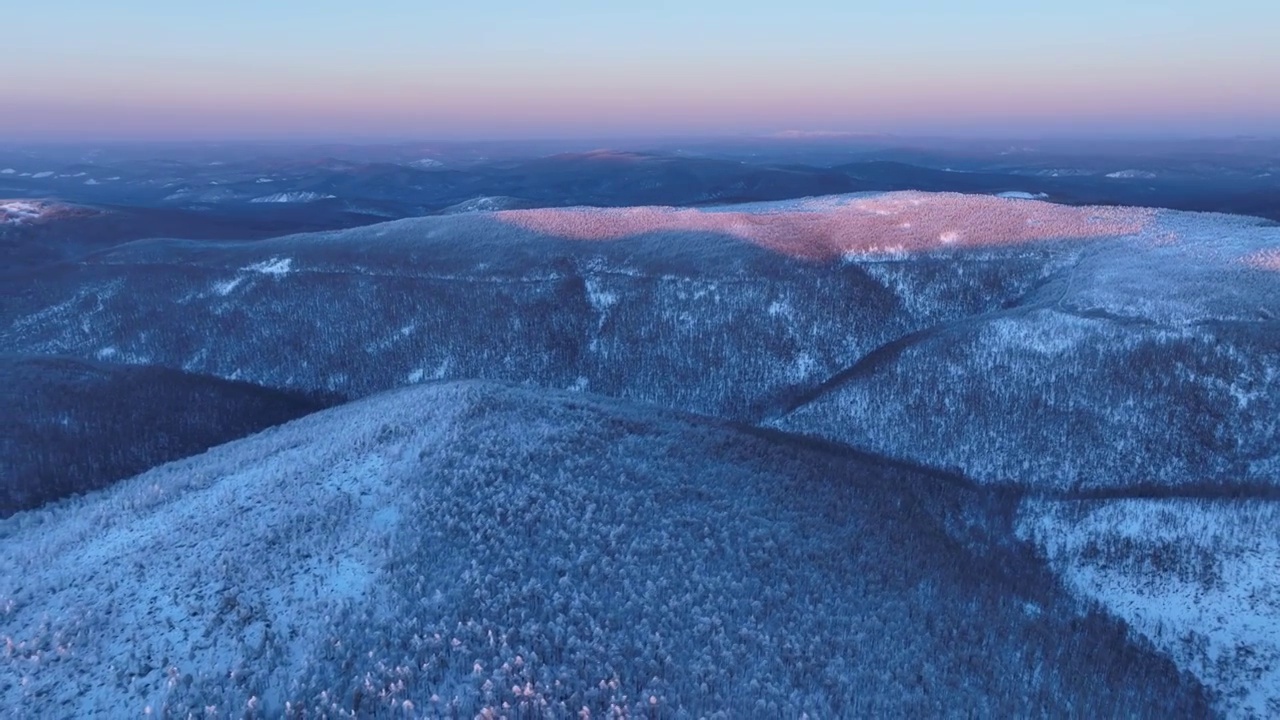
(827,230)
(585,100)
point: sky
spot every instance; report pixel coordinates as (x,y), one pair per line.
(513,69)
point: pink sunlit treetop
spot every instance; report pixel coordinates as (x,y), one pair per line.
(829,229)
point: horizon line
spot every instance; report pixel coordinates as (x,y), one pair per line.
(782,136)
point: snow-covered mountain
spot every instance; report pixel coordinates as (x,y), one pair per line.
(1109,379)
(1051,335)
(468,548)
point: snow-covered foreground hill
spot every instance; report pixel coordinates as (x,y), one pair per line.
(1021,342)
(451,548)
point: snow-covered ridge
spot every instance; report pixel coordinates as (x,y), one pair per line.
(488,203)
(835,227)
(297,196)
(203,195)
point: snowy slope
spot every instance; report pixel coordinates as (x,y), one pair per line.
(1147,363)
(1199,578)
(451,548)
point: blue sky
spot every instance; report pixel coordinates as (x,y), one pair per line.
(518,69)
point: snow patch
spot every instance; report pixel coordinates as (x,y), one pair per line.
(274,266)
(1055,336)
(293,197)
(802,367)
(225,288)
(442,370)
(1063,172)
(483,203)
(1132,175)
(600,298)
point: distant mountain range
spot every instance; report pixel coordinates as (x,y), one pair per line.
(247,196)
